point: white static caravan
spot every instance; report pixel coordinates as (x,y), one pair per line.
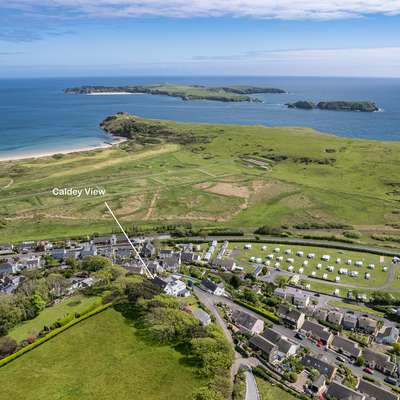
(325,257)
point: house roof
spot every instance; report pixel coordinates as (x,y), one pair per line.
(210,285)
(201,315)
(244,319)
(381,360)
(291,314)
(322,366)
(366,322)
(263,344)
(389,331)
(346,345)
(316,329)
(375,392)
(340,392)
(272,336)
(319,382)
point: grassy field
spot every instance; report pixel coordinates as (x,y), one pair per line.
(102,358)
(272,392)
(377,276)
(50,315)
(206,175)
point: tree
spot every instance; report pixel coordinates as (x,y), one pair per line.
(280,280)
(7,346)
(235,281)
(72,262)
(38,303)
(396,348)
(360,361)
(95,263)
(57,285)
(250,296)
(146,290)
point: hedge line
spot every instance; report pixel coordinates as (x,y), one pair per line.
(50,335)
(267,314)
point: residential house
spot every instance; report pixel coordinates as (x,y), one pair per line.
(212,287)
(172,263)
(27,246)
(335,317)
(368,325)
(148,250)
(247,323)
(337,391)
(8,267)
(320,314)
(318,385)
(375,392)
(286,347)
(202,316)
(135,268)
(9,283)
(296,296)
(123,253)
(104,240)
(164,253)
(29,261)
(89,250)
(389,336)
(379,361)
(349,321)
(317,331)
(6,249)
(322,366)
(292,318)
(268,350)
(171,286)
(226,264)
(106,252)
(346,346)
(59,254)
(79,283)
(155,268)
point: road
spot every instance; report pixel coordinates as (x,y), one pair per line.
(328,354)
(251,387)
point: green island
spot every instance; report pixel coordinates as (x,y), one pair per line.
(233,93)
(363,106)
(209,176)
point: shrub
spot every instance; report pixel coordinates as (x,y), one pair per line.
(7,346)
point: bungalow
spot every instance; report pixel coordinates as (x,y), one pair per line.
(337,391)
(389,336)
(268,350)
(292,318)
(349,321)
(335,317)
(379,361)
(322,366)
(202,316)
(317,331)
(345,346)
(286,348)
(226,264)
(375,392)
(212,287)
(247,323)
(368,325)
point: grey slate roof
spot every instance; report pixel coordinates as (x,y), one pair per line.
(340,392)
(375,392)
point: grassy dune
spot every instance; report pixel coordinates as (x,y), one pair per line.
(210,175)
(102,358)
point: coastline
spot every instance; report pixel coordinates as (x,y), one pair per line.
(27,156)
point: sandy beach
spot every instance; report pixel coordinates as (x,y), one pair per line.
(24,156)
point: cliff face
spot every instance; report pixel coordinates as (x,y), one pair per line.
(363,106)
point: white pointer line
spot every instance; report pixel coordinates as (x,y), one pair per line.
(149,274)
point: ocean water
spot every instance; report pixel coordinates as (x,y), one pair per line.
(37,117)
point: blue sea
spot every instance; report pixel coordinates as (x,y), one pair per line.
(37,117)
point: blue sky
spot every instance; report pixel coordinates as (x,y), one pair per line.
(200,37)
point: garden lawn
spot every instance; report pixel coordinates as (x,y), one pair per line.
(356,307)
(269,392)
(104,357)
(49,315)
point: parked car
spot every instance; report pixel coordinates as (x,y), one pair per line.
(341,359)
(300,336)
(368,371)
(391,380)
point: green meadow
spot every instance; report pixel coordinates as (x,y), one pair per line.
(209,175)
(104,357)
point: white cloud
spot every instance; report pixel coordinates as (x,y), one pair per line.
(269,9)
